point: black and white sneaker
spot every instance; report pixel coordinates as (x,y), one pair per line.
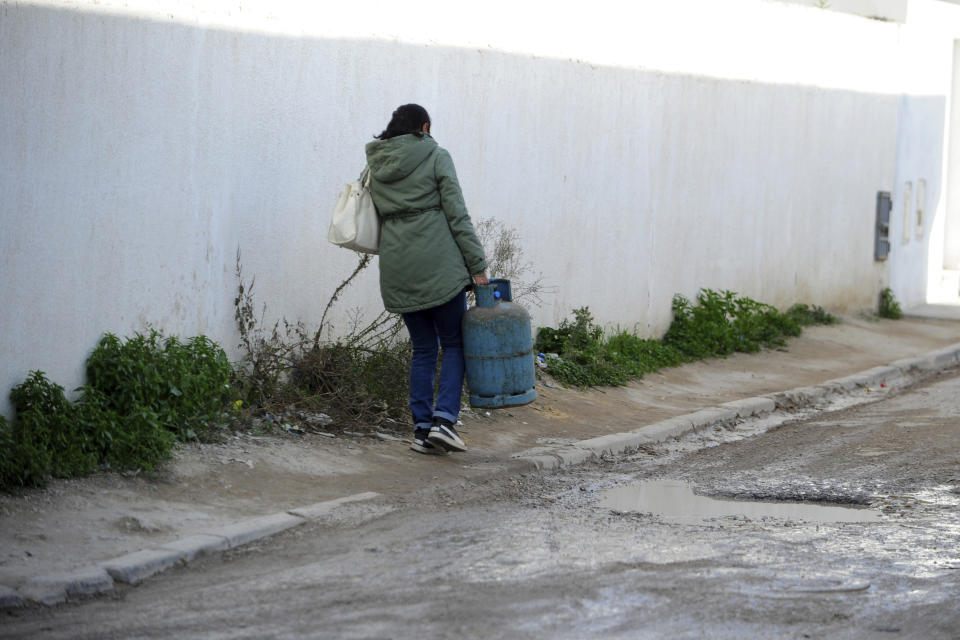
(420,444)
(442,434)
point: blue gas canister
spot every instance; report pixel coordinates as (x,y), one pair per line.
(498,349)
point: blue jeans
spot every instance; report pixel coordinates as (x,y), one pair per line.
(429,329)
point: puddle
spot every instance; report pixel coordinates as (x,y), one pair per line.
(675,500)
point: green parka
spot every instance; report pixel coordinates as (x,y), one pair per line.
(428,247)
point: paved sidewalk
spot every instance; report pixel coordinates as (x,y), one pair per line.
(85,536)
(937,311)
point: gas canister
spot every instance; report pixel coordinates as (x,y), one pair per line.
(498,349)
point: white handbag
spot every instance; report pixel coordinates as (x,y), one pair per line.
(355,223)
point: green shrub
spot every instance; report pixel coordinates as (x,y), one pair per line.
(805,315)
(11,466)
(142,395)
(50,438)
(640,356)
(582,359)
(889,307)
(719,324)
(722,323)
(136,439)
(19,466)
(698,331)
(184,385)
(591,374)
(579,335)
(758,325)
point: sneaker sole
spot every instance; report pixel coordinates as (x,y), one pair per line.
(446,442)
(429,451)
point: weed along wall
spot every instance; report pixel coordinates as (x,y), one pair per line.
(638,153)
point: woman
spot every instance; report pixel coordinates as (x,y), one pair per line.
(429,253)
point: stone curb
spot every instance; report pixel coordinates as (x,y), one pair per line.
(800,397)
(134,568)
(56,588)
(658,432)
(320,509)
(749,407)
(706,418)
(247,531)
(191,547)
(10,598)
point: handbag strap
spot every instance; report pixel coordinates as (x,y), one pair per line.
(365,177)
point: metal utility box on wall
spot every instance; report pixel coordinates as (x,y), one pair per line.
(881,245)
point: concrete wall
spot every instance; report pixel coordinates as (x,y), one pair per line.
(139,149)
(917,194)
(922,182)
(877,9)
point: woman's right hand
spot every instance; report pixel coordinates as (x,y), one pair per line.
(481,279)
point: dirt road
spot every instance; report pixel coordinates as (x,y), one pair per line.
(76,523)
(546,556)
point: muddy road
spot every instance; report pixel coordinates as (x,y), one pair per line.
(690,540)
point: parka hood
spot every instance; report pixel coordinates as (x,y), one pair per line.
(396,158)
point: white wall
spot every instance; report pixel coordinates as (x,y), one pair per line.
(686,146)
(877,9)
(926,69)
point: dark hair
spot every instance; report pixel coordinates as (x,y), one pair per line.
(407,118)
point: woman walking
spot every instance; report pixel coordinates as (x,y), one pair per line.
(429,255)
